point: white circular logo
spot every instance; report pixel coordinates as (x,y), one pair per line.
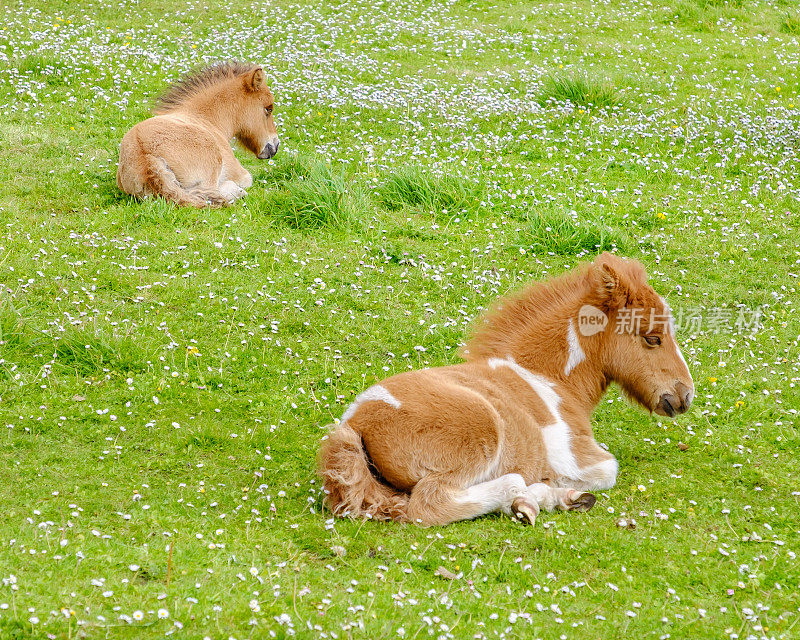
(591,320)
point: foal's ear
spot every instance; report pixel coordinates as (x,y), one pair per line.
(613,287)
(255,79)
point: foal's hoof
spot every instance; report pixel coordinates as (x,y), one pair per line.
(524,510)
(582,501)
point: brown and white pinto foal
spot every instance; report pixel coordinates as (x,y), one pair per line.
(183,153)
(509,429)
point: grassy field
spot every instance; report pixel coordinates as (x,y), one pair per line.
(166,374)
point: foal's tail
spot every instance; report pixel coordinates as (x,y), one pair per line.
(350,486)
(162,181)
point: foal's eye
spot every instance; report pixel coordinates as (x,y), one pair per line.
(653,341)
(268,110)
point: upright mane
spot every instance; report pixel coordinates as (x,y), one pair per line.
(517,313)
(199,80)
(543,307)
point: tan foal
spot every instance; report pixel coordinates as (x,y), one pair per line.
(183,153)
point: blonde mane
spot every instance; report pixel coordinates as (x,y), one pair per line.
(199,80)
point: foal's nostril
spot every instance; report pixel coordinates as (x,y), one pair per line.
(668,405)
(268,151)
(686,395)
(671,404)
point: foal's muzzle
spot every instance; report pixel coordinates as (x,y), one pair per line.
(269,150)
(671,404)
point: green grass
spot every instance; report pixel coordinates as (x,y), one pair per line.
(88,354)
(580,91)
(790,23)
(166,374)
(445,196)
(558,232)
(315,198)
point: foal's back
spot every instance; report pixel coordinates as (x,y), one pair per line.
(470,422)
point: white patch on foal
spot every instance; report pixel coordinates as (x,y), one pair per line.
(557,436)
(602,475)
(671,331)
(494,494)
(377,393)
(576,354)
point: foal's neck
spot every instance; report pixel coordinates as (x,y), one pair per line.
(537,328)
(546,353)
(213,108)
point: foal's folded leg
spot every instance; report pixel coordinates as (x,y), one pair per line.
(434,500)
(551,498)
(541,496)
(231,191)
(235,171)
